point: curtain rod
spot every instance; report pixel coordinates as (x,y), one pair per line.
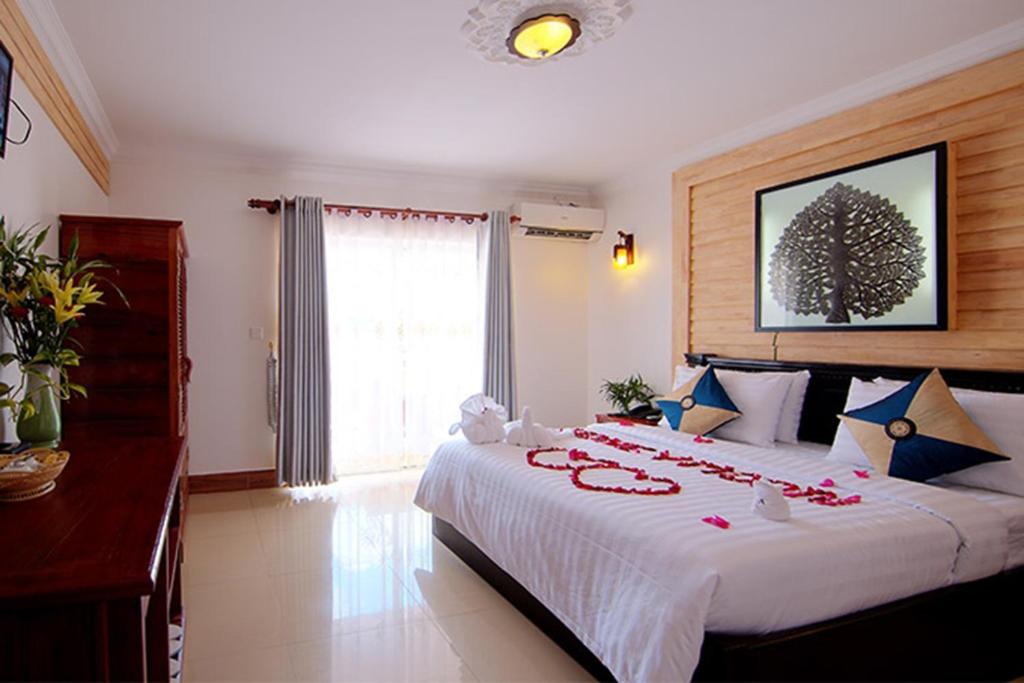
(272,206)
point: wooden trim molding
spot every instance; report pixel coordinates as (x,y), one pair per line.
(979,112)
(37,71)
(232,481)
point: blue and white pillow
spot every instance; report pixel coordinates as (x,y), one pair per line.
(700,405)
(920,432)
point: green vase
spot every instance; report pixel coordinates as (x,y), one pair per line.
(43,428)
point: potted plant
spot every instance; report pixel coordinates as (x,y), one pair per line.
(42,299)
(631,396)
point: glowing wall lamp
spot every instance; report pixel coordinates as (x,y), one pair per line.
(623,254)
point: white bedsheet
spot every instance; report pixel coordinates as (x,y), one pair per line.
(1012,508)
(640,578)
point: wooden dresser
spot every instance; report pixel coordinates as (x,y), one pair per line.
(89,574)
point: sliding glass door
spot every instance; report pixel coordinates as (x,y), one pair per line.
(406,336)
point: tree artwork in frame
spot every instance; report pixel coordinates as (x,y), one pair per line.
(859,248)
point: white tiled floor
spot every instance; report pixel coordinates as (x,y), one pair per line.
(345,583)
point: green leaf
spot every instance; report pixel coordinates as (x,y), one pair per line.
(78,389)
(73,247)
(27,408)
(40,238)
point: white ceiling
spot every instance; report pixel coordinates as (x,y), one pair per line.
(389,84)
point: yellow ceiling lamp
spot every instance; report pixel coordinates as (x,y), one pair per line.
(544,36)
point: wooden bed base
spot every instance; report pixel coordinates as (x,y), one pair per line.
(969,631)
(965,632)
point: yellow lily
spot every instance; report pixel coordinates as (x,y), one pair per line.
(88,294)
(13,296)
(64,306)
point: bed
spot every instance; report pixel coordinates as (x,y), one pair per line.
(883,578)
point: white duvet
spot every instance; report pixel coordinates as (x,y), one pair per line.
(640,578)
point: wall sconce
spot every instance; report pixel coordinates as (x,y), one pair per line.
(623,254)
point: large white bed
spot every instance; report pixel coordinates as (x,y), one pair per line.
(639,579)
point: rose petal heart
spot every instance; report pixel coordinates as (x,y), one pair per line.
(622,481)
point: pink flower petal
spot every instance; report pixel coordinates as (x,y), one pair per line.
(863,474)
(827,482)
(852,499)
(717,520)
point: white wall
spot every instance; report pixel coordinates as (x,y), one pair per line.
(629,321)
(232,288)
(42,179)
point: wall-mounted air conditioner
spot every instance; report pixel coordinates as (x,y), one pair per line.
(558,222)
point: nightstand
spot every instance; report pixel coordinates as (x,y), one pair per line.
(624,420)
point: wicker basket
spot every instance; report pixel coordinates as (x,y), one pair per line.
(18,486)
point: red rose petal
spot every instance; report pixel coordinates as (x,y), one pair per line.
(717,520)
(863,474)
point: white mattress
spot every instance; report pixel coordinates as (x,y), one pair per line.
(639,579)
(1012,508)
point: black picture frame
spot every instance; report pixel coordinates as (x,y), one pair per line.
(6,75)
(940,296)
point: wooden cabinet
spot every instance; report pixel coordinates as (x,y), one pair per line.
(136,365)
(90,576)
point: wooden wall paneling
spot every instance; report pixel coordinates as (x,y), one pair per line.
(980,112)
(37,71)
(681,222)
(994,76)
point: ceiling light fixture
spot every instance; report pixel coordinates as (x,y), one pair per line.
(527,33)
(544,36)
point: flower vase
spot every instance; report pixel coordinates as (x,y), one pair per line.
(42,429)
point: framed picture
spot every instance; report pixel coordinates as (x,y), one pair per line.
(6,69)
(859,248)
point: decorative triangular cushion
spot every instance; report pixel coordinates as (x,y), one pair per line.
(920,432)
(699,406)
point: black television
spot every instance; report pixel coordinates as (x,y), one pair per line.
(6,68)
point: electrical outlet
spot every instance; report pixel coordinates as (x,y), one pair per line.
(256,333)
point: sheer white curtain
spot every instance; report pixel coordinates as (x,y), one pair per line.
(406,336)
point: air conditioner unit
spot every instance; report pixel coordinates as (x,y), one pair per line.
(558,222)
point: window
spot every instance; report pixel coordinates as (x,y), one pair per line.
(406,336)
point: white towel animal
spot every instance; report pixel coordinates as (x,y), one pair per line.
(769,502)
(526,432)
(483,420)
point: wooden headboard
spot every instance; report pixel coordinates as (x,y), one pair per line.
(826,393)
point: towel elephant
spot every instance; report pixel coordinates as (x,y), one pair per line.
(483,420)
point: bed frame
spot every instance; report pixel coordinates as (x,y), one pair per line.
(963,632)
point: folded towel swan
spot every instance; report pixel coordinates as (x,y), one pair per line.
(526,432)
(769,502)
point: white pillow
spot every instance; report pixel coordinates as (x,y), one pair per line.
(997,414)
(844,447)
(760,398)
(792,407)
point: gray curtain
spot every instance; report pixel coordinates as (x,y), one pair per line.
(304,429)
(499,353)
